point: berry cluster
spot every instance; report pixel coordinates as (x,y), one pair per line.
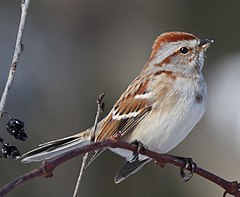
(15,127)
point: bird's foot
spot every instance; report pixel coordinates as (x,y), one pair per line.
(140,149)
(189,165)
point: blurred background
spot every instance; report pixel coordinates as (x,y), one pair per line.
(74,50)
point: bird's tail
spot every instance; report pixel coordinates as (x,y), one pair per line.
(55,148)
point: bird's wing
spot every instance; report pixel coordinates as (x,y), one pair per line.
(128,111)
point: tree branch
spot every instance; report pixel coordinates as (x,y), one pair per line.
(47,168)
(17,52)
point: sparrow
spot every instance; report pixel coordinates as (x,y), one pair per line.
(159,108)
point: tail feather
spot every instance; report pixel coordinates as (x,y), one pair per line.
(58,141)
(129,168)
(55,148)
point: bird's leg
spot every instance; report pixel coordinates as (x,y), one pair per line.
(140,148)
(189,165)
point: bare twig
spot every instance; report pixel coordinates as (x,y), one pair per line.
(100,108)
(17,52)
(46,169)
(84,163)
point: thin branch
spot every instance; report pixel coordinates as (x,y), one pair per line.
(84,163)
(100,108)
(46,169)
(17,52)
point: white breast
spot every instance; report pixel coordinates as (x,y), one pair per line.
(163,129)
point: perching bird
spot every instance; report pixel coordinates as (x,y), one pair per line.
(159,108)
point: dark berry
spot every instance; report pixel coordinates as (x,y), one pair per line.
(8,150)
(16,128)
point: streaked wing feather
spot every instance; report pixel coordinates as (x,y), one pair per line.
(128,110)
(131,123)
(126,113)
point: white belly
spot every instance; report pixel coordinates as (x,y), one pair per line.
(165,131)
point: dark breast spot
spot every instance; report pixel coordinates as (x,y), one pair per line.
(198,97)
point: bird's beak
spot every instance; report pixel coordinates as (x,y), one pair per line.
(205,43)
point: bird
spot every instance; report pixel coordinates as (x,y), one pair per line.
(159,108)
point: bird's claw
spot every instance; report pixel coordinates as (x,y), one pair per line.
(189,165)
(140,148)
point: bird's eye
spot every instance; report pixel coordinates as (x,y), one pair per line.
(184,50)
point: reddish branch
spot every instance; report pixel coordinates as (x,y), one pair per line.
(46,169)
